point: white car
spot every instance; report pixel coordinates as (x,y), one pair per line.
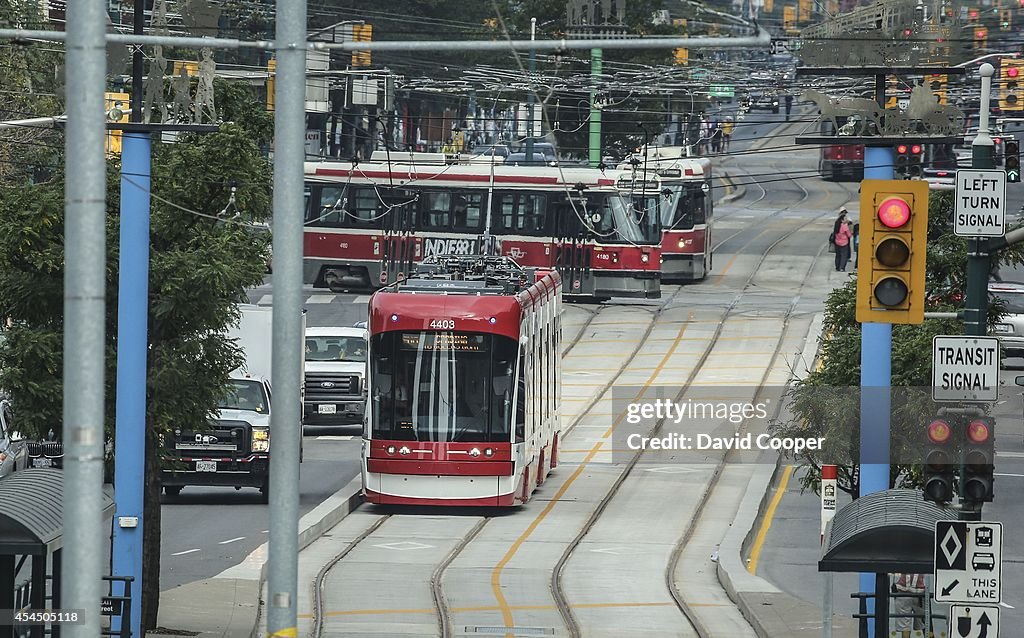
(1010,329)
(335,376)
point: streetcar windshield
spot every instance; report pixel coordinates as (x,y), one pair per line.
(442,386)
(625,218)
(684,208)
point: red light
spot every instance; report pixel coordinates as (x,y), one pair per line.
(902,148)
(973,13)
(915,149)
(907,32)
(894,212)
(977,432)
(938,431)
(1012,71)
(979,34)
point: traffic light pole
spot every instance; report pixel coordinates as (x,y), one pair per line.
(595,111)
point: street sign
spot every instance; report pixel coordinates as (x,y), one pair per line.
(829,483)
(980,205)
(968,562)
(974,621)
(965,369)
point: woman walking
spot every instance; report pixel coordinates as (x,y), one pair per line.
(842,233)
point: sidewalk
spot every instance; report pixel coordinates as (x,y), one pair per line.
(228,605)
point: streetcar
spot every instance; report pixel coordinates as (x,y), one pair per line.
(686,209)
(369,224)
(840,162)
(464,380)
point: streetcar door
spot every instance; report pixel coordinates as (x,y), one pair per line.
(398,243)
(572,246)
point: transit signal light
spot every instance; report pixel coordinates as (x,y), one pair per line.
(909,159)
(938,464)
(362,33)
(979,460)
(1011,160)
(937,84)
(893,244)
(1011,97)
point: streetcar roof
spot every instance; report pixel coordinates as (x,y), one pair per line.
(404,174)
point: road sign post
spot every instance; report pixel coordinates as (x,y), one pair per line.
(965,369)
(980,206)
(974,621)
(968,562)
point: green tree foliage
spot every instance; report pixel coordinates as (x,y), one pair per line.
(204,254)
(826,403)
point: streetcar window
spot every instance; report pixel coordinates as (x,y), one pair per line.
(468,211)
(521,401)
(330,212)
(626,219)
(435,209)
(441,386)
(700,201)
(523,213)
(365,209)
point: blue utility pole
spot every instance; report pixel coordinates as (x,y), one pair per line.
(132,347)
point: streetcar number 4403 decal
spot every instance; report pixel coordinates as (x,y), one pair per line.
(442,324)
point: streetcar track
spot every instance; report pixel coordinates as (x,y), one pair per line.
(562,603)
(436,588)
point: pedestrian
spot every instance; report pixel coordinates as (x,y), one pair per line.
(856,243)
(727,132)
(705,134)
(908,605)
(716,137)
(841,238)
(789,105)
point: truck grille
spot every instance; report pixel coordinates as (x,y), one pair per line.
(49,449)
(327,386)
(223,436)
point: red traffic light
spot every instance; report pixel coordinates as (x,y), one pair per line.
(939,431)
(902,148)
(915,149)
(894,212)
(1012,72)
(978,432)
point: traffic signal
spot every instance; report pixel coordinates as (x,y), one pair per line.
(893,244)
(939,463)
(362,33)
(909,159)
(1011,160)
(979,460)
(937,84)
(1011,98)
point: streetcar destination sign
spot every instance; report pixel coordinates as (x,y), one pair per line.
(980,207)
(965,368)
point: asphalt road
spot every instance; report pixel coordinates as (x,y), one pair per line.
(207,530)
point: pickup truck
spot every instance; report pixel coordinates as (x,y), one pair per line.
(233,450)
(335,376)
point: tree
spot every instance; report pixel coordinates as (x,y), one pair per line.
(826,404)
(201,264)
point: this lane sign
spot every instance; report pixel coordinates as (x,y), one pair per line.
(980,206)
(974,621)
(965,369)
(968,562)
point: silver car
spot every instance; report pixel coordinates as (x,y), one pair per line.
(1010,328)
(13,447)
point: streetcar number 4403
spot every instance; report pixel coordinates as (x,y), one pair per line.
(442,324)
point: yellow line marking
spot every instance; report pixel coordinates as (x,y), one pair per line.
(368,612)
(499,595)
(290,632)
(766,524)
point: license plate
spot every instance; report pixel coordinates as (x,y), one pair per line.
(42,463)
(327,409)
(206,466)
(1003,328)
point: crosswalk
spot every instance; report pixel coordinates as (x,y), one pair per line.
(268,299)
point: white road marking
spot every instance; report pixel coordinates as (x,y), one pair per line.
(404,545)
(1005,474)
(1011,455)
(362,299)
(265,300)
(266,531)
(335,438)
(321,299)
(187,551)
(231,540)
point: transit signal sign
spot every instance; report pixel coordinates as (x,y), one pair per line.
(980,206)
(965,369)
(974,621)
(968,562)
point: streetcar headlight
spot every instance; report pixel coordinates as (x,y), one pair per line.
(394,317)
(488,452)
(682,243)
(645,258)
(390,449)
(475,452)
(260,440)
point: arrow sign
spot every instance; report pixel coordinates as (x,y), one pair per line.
(973,621)
(947,590)
(984,624)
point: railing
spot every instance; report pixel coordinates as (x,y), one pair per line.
(112,606)
(926,616)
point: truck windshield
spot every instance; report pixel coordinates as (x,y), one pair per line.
(244,394)
(336,349)
(442,386)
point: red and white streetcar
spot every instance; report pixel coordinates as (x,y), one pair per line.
(686,209)
(463,385)
(371,223)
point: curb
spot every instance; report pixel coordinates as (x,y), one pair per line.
(230,604)
(738,191)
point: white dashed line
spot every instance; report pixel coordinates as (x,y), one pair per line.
(321,299)
(231,540)
(362,299)
(187,551)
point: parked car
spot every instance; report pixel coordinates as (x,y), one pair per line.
(13,447)
(539,159)
(1010,329)
(335,376)
(46,453)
